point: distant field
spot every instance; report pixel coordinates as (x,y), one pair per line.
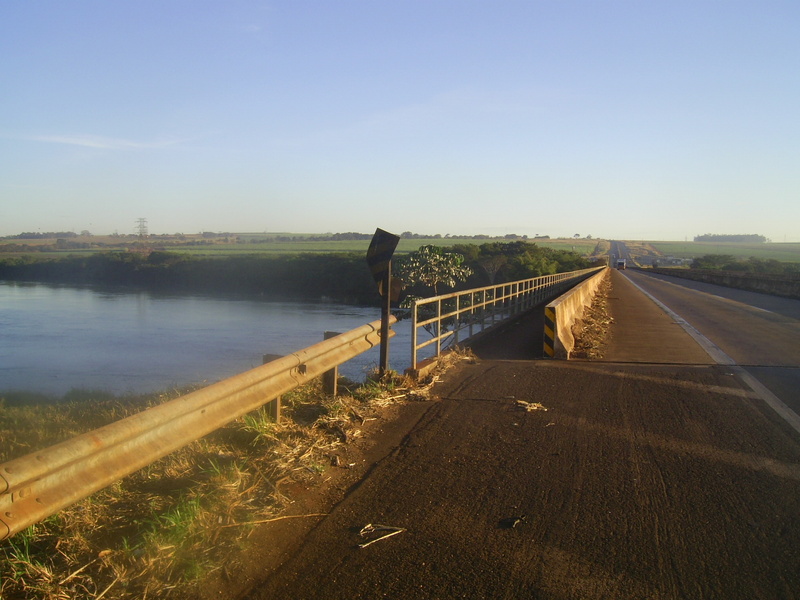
(405,246)
(781,252)
(219,248)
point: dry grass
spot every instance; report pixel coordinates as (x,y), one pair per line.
(591,332)
(161,531)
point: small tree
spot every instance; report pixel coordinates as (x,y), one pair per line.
(432,266)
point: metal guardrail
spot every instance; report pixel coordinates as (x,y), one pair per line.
(42,483)
(477,310)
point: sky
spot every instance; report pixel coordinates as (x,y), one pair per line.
(646,119)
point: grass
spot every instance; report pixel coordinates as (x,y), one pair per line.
(216,248)
(183,520)
(405,246)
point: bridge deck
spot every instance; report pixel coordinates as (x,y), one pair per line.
(637,481)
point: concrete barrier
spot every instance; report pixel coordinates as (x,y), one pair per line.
(561,314)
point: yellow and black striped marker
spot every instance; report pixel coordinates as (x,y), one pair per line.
(549,332)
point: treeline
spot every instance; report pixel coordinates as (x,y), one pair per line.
(741,238)
(499,262)
(352,235)
(492,263)
(343,277)
(30,235)
(725,262)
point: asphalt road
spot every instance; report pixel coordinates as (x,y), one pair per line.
(657,474)
(758,332)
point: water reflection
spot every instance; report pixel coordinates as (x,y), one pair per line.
(56,338)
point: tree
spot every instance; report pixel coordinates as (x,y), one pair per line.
(432,266)
(492,266)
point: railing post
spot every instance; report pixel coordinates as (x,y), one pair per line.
(330,379)
(273,406)
(414,335)
(438,327)
(457,324)
(471,312)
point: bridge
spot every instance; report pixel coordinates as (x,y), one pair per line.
(669,469)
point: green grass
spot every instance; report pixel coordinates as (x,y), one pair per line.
(360,246)
(788,252)
(582,246)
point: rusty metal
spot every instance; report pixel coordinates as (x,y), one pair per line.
(40,484)
(479,309)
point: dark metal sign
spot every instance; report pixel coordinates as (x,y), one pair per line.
(379,259)
(379,256)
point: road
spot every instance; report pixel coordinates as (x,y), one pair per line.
(617,251)
(659,473)
(758,332)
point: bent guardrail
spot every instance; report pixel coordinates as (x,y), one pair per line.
(477,310)
(42,483)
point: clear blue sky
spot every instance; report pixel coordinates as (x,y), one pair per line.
(620,119)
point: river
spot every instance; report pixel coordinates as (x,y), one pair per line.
(56,338)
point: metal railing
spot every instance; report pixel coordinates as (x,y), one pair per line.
(459,316)
(42,483)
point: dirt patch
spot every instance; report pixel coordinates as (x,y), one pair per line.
(593,331)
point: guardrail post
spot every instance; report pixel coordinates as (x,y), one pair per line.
(330,379)
(273,406)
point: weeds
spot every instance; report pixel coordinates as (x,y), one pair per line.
(160,532)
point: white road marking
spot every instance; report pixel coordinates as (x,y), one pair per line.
(714,351)
(723,298)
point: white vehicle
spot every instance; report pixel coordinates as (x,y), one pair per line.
(621,263)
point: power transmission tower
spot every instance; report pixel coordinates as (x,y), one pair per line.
(141,227)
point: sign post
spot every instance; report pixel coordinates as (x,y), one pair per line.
(379,259)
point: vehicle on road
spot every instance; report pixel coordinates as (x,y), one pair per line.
(621,263)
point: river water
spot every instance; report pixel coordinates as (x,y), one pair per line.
(55,338)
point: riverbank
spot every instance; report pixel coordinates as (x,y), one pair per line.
(165,530)
(339,277)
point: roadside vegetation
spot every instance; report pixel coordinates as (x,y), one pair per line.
(756,266)
(169,529)
(341,277)
(783,252)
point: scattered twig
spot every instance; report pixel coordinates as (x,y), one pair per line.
(103,593)
(66,579)
(529,406)
(276,519)
(370,528)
